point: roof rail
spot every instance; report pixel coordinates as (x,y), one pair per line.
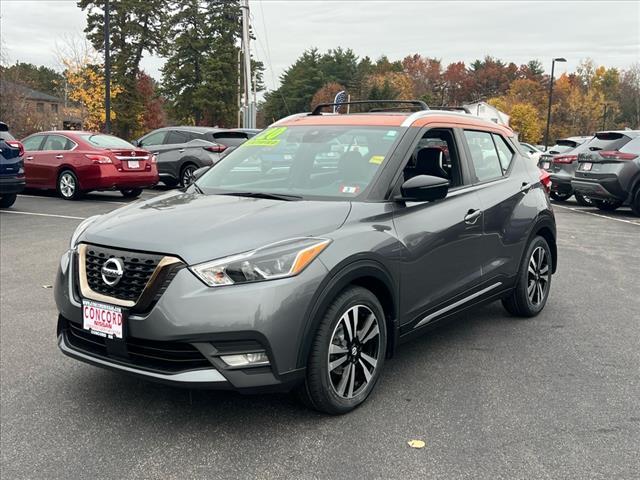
(453,108)
(419,104)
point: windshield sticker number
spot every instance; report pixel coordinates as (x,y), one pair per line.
(348,189)
(268,138)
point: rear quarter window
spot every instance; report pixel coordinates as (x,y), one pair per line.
(6,136)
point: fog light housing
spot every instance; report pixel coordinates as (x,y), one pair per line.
(254,359)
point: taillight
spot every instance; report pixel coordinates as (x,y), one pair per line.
(545,180)
(217,148)
(18,145)
(99,159)
(615,155)
(565,159)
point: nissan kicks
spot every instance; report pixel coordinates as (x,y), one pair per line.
(304,274)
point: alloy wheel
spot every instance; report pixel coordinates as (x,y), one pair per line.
(354,351)
(67,185)
(187,176)
(538,276)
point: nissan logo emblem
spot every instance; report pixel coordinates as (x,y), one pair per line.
(112,271)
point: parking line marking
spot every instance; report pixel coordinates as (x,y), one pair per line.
(598,215)
(17,212)
(85,200)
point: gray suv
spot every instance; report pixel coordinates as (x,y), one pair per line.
(180,151)
(277,270)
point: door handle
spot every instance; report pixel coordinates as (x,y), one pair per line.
(155,153)
(526,187)
(29,158)
(472,217)
(181,150)
(59,157)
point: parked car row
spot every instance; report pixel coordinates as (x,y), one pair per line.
(603,170)
(75,162)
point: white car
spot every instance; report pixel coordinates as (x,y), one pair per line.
(533,152)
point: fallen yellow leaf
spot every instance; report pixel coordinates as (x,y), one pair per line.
(416,443)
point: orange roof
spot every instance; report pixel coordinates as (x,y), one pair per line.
(432,117)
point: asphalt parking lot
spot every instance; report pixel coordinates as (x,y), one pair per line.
(557,396)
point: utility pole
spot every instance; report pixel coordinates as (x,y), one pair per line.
(546,133)
(107,70)
(249,118)
(239,124)
(604,116)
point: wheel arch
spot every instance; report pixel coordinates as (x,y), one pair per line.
(545,227)
(66,166)
(366,273)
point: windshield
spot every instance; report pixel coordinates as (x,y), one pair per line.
(306,161)
(106,141)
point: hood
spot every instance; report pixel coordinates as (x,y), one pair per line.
(199,228)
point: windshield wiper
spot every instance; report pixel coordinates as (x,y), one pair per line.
(197,188)
(269,196)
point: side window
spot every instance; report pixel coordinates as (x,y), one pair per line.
(153,139)
(55,143)
(32,144)
(437,155)
(193,136)
(484,156)
(176,136)
(504,152)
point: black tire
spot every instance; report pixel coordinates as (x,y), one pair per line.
(186,174)
(635,204)
(319,390)
(582,200)
(7,200)
(560,197)
(131,192)
(68,186)
(520,302)
(607,205)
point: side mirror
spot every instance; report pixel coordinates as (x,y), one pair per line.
(424,188)
(553,152)
(135,143)
(201,171)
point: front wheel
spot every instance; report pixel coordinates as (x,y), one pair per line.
(68,186)
(7,200)
(347,353)
(582,200)
(560,197)
(131,192)
(530,295)
(607,205)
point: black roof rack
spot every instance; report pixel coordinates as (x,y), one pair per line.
(418,104)
(453,108)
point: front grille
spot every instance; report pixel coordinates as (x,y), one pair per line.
(171,357)
(138,268)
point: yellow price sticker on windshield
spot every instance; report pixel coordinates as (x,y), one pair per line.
(376,159)
(268,138)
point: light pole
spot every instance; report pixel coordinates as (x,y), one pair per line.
(546,133)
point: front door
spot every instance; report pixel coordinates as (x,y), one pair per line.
(441,264)
(32,152)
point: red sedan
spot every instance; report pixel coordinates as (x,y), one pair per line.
(74,162)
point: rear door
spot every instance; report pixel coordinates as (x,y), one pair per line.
(55,152)
(32,153)
(502,181)
(441,268)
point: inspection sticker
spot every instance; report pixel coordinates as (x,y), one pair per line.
(376,159)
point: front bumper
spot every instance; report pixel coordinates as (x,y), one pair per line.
(10,185)
(269,316)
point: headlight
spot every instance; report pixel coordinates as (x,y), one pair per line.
(80,229)
(278,260)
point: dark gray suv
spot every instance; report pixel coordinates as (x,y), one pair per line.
(278,270)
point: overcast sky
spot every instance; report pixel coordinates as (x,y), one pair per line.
(517,31)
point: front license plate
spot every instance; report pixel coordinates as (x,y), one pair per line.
(545,165)
(134,164)
(102,319)
(586,166)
